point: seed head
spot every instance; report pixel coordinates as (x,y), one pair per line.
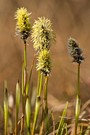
(75,51)
(42,34)
(44,62)
(23,26)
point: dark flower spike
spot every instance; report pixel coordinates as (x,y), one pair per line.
(75,51)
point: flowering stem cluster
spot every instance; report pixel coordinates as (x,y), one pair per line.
(42,37)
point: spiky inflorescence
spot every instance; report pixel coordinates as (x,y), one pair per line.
(23,26)
(42,34)
(75,51)
(44,62)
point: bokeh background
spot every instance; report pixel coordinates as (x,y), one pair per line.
(70,18)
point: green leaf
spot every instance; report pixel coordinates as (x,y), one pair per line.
(28,114)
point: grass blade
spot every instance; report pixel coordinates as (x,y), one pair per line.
(5,108)
(17,106)
(61,123)
(28,115)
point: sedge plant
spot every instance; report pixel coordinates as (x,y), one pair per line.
(42,36)
(44,64)
(23,28)
(76,53)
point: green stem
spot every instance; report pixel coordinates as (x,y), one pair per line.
(77,110)
(24,81)
(45,93)
(29,80)
(45,118)
(38,100)
(38,83)
(25,55)
(39,89)
(24,70)
(78,83)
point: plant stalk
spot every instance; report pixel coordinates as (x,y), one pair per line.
(45,94)
(24,82)
(38,100)
(77,110)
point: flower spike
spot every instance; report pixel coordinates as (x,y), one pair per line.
(44,62)
(42,34)
(23,25)
(75,51)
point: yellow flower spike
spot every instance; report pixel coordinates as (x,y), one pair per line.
(23,26)
(42,34)
(44,62)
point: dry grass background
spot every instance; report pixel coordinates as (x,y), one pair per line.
(69,18)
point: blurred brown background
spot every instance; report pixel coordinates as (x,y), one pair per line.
(69,18)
